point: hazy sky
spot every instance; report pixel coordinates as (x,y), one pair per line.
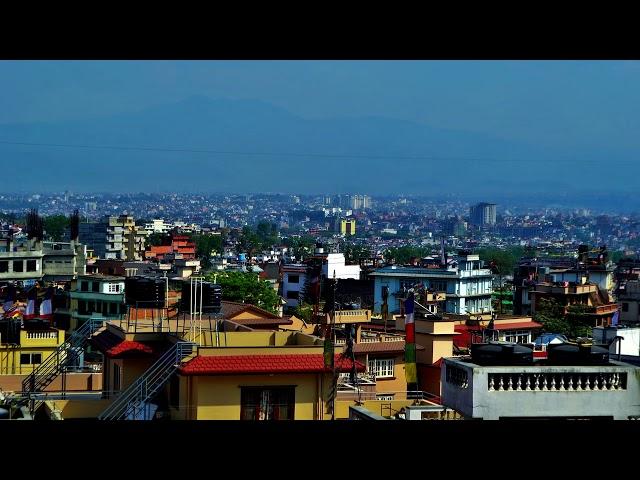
(551,103)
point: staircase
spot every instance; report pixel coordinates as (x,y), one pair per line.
(132,403)
(64,355)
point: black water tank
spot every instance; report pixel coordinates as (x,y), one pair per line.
(211,297)
(488,354)
(145,292)
(571,354)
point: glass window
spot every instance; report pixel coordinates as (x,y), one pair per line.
(4,266)
(84,286)
(18,266)
(381,367)
(95,286)
(267,403)
(293,295)
(294,278)
(32,266)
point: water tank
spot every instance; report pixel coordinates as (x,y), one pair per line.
(211,297)
(242,257)
(4,413)
(145,292)
(499,353)
(572,354)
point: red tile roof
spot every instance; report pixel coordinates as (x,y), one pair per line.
(114,346)
(128,346)
(278,363)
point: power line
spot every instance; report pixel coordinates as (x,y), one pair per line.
(246,153)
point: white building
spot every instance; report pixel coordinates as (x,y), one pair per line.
(546,391)
(293,280)
(466,283)
(158,226)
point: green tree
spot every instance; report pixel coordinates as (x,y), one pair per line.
(246,287)
(402,255)
(154,239)
(575,323)
(205,246)
(55,226)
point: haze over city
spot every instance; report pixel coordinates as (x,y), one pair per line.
(490,129)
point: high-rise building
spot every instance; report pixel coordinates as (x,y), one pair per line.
(114,238)
(483,214)
(348,226)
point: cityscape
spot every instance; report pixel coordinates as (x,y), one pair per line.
(312,286)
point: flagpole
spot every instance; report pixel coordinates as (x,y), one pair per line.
(410,343)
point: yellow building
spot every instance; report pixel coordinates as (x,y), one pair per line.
(33,348)
(240,373)
(348,226)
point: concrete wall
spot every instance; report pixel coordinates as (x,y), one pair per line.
(75,382)
(474,399)
(218,398)
(629,346)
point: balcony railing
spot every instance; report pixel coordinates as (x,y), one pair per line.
(42,335)
(559,382)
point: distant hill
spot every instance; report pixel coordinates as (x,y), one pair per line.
(455,160)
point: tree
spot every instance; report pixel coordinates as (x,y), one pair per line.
(402,255)
(55,226)
(246,287)
(575,323)
(205,245)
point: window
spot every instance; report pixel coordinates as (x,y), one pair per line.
(4,266)
(517,336)
(381,367)
(267,403)
(32,266)
(30,358)
(113,308)
(294,278)
(82,307)
(293,295)
(95,286)
(114,288)
(384,397)
(84,286)
(18,266)
(91,306)
(625,307)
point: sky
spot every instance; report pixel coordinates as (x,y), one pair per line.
(568,105)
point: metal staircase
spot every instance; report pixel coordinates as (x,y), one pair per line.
(132,404)
(68,352)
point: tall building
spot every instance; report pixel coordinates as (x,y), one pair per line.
(347,226)
(483,214)
(115,238)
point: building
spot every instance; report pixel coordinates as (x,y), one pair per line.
(584,299)
(114,238)
(467,285)
(483,214)
(240,374)
(541,390)
(293,281)
(347,226)
(629,299)
(158,226)
(93,296)
(20,259)
(63,261)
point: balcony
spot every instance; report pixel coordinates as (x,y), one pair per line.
(41,338)
(583,391)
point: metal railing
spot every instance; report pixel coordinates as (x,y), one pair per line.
(63,356)
(133,401)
